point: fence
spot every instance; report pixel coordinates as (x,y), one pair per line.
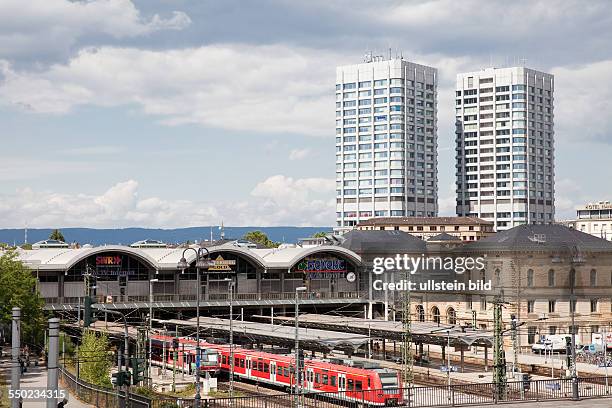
(430,396)
(416,397)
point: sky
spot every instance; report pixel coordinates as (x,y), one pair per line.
(159,113)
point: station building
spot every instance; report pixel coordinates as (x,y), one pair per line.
(541,272)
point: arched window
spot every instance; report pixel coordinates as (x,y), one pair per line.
(551,278)
(451,316)
(435,313)
(420,313)
(530,278)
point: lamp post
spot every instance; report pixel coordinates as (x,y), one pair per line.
(202,262)
(298,374)
(230,290)
(149,370)
(448,366)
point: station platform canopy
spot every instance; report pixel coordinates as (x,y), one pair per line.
(273,334)
(422,332)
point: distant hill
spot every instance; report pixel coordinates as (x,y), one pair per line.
(127,236)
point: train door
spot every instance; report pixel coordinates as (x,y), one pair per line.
(272,371)
(248,366)
(309,379)
(341,382)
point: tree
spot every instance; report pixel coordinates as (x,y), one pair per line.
(18,288)
(260,238)
(320,234)
(57,235)
(95,359)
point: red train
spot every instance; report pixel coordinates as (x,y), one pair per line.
(378,386)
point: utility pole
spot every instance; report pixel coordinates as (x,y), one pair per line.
(407,360)
(231,339)
(499,357)
(141,344)
(298,372)
(52,362)
(174,351)
(164,353)
(15,345)
(514,345)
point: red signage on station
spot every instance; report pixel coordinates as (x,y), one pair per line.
(108,260)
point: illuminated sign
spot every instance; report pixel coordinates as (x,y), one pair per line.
(222,265)
(108,261)
(321,265)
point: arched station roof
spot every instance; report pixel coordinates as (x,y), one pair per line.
(168,258)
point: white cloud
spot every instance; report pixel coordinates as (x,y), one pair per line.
(299,154)
(583,102)
(272,88)
(50,26)
(278,200)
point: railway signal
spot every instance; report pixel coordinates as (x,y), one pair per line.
(89,314)
(138,370)
(121,378)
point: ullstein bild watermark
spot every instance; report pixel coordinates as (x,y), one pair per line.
(412,265)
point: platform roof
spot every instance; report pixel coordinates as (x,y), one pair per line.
(275,334)
(422,332)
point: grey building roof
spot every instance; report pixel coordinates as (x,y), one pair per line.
(444,237)
(549,238)
(382,242)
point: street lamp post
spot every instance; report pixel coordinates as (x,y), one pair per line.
(202,262)
(149,366)
(297,376)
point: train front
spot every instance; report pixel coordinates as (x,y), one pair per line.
(389,391)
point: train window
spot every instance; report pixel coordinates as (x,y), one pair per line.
(358,386)
(224,360)
(279,370)
(242,363)
(236,362)
(318,378)
(342,382)
(369,385)
(286,372)
(260,366)
(333,380)
(266,368)
(325,379)
(351,385)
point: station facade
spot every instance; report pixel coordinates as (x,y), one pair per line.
(541,272)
